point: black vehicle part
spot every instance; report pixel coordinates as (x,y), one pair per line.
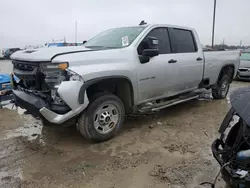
(33,103)
(240,101)
(235,137)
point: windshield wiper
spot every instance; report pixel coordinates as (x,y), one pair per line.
(95,46)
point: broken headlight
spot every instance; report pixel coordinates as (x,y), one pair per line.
(74,76)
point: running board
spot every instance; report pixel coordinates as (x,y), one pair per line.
(174,103)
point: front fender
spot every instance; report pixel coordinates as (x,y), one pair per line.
(69,91)
(96,80)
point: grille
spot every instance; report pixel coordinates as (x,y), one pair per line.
(243,70)
(24,66)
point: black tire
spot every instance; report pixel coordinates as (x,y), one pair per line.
(221,89)
(90,118)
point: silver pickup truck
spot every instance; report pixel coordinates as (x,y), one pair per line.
(119,71)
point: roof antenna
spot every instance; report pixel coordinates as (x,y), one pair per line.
(143,23)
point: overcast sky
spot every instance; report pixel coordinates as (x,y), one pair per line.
(24,22)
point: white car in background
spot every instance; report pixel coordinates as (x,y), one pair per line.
(244,69)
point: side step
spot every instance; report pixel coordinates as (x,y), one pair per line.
(174,103)
(164,103)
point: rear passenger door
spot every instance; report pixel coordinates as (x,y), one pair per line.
(189,60)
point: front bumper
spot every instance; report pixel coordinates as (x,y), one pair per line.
(29,102)
(37,106)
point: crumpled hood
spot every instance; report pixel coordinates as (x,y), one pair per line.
(45,54)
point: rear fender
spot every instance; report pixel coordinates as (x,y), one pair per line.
(223,68)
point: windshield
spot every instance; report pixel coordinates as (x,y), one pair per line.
(115,38)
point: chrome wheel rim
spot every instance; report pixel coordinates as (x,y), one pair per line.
(224,88)
(106,118)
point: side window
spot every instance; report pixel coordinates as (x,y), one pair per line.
(162,35)
(182,41)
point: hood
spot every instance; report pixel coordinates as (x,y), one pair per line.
(98,60)
(245,63)
(45,54)
(240,101)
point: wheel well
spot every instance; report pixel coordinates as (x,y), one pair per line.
(227,70)
(120,87)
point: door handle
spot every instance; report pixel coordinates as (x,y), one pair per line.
(172,61)
(199,59)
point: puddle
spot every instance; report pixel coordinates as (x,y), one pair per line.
(29,131)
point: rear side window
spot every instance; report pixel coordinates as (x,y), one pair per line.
(161,34)
(182,41)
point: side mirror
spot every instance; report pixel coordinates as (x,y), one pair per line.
(84,42)
(150,49)
(150,52)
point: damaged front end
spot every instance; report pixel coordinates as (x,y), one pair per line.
(232,148)
(48,90)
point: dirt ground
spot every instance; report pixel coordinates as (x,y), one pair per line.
(170,148)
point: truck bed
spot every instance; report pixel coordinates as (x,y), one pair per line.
(214,60)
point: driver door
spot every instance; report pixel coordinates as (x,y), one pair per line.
(156,78)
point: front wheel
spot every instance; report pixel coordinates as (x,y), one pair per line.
(103,118)
(221,89)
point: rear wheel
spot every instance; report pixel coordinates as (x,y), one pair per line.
(103,118)
(221,89)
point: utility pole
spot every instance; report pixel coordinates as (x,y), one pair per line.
(240,43)
(76,32)
(213,24)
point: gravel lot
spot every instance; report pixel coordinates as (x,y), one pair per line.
(170,148)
